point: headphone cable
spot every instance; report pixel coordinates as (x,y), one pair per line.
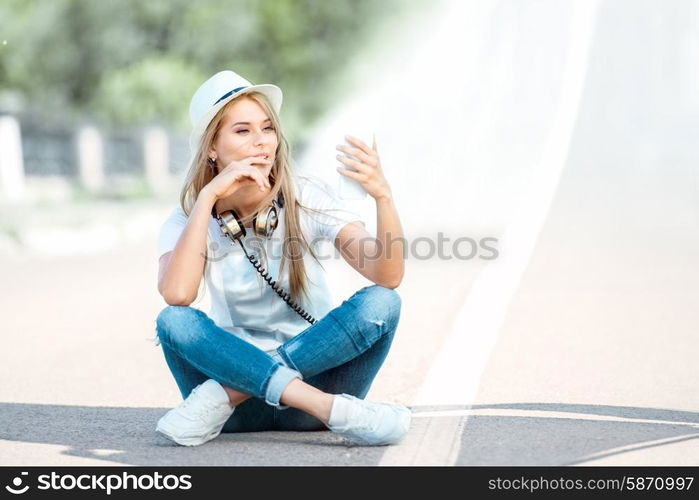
(286,297)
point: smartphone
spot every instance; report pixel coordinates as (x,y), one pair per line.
(349,189)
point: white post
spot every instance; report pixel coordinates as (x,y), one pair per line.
(12,185)
(91,159)
(156,158)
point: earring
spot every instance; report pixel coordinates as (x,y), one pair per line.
(212,164)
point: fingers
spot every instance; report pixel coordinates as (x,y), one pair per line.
(359,144)
(264,179)
(246,174)
(258,160)
(262,182)
(246,170)
(257,176)
(248,162)
(360,155)
(358,176)
(357,165)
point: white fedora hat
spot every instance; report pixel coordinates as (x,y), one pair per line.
(215,92)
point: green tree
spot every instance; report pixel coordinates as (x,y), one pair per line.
(129,62)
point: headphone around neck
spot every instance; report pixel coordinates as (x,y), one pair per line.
(263,224)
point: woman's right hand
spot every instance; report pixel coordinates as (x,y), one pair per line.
(237,174)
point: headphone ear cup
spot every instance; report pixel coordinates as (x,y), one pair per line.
(266,222)
(232,225)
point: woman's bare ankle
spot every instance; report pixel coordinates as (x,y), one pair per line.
(302,396)
(325,405)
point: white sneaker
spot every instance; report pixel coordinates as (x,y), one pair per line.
(199,418)
(366,423)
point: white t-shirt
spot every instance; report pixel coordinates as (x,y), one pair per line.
(241,301)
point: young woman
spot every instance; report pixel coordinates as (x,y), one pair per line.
(272,353)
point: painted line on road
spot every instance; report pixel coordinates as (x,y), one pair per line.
(429,442)
(635,447)
(435,436)
(464,413)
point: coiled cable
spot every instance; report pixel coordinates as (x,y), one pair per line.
(285,296)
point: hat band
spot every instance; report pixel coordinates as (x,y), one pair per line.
(228,94)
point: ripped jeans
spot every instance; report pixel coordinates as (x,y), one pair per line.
(340,353)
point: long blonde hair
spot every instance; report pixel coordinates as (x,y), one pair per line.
(200,174)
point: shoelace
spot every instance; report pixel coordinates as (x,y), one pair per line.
(368,422)
(203,407)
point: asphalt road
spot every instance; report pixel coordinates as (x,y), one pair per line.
(84,384)
(586,357)
(594,364)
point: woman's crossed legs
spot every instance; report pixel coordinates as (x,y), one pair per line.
(341,353)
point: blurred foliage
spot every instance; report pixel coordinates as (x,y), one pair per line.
(128,62)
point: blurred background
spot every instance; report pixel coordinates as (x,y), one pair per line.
(563,130)
(117,72)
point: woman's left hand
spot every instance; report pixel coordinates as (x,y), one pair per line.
(368,165)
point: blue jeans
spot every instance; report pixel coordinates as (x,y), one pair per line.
(340,353)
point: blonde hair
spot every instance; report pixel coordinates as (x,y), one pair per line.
(200,174)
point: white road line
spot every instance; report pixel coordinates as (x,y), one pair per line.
(544,414)
(430,442)
(636,447)
(435,436)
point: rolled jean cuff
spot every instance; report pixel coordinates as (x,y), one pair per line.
(278,382)
(277,357)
